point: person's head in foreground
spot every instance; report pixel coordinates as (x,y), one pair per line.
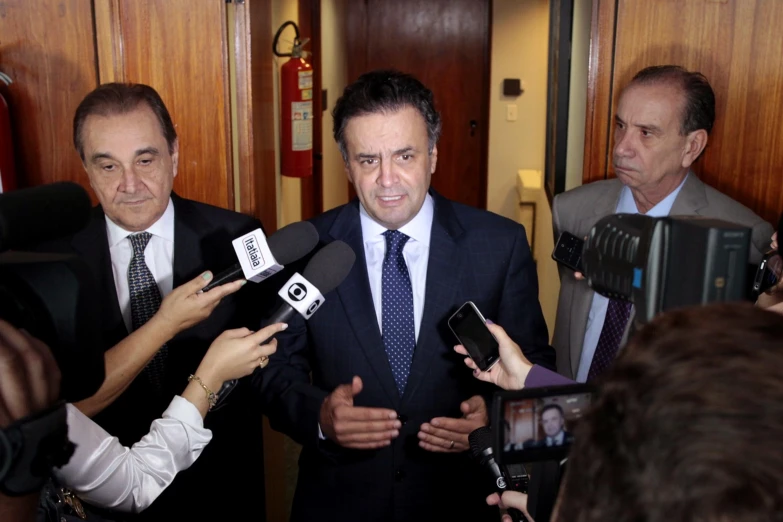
(687,426)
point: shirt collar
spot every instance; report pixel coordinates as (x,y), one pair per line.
(627,205)
(419,228)
(163,227)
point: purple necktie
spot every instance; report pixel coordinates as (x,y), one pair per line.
(617,314)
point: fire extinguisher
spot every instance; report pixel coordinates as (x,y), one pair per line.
(7,171)
(296,109)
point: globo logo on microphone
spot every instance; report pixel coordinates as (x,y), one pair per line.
(301,295)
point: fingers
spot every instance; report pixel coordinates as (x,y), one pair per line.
(493,499)
(460,350)
(356,385)
(500,333)
(43,373)
(515,500)
(442,446)
(368,427)
(367,445)
(346,413)
(265,350)
(473,405)
(579,276)
(363,437)
(15,391)
(197,283)
(265,333)
(236,333)
(219,292)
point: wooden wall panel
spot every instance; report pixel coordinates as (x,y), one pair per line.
(182,53)
(737,45)
(46,47)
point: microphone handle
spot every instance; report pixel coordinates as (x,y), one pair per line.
(281,315)
(226,276)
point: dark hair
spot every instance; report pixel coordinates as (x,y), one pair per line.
(385,91)
(687,424)
(699,110)
(552,406)
(121,98)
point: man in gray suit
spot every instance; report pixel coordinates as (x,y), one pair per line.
(662,124)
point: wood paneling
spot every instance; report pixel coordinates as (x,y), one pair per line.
(310,27)
(446,45)
(737,45)
(255,111)
(181,51)
(46,47)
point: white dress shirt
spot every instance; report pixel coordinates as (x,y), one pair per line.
(557,440)
(159,256)
(597,315)
(416,253)
(105,473)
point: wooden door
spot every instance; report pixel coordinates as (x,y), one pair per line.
(445,44)
(47,50)
(179,47)
(737,45)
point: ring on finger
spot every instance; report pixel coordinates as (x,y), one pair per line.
(451,446)
(263,361)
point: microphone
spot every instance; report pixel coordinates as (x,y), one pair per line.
(480,441)
(304,294)
(261,257)
(34,215)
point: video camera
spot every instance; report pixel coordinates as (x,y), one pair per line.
(52,296)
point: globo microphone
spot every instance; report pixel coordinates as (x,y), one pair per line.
(261,257)
(481,445)
(304,294)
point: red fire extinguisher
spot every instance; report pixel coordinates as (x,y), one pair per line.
(296,109)
(7,171)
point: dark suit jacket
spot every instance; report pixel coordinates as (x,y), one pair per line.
(474,255)
(212,488)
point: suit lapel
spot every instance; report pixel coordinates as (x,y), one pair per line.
(92,245)
(356,297)
(444,269)
(188,257)
(691,199)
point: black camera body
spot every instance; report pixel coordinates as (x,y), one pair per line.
(51,296)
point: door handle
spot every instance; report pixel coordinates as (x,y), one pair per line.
(473,125)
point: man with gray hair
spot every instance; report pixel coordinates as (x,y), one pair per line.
(663,121)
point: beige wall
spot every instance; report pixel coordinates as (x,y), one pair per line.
(333,78)
(577,103)
(289,193)
(520,34)
(520,42)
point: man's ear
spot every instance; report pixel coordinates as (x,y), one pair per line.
(695,143)
(175,156)
(433,159)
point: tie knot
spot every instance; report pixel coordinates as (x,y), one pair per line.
(395,241)
(139,242)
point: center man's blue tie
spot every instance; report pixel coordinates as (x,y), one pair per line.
(399,334)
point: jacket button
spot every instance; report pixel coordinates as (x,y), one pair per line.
(403,419)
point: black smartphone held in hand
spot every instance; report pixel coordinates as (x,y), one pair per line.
(470,328)
(568,251)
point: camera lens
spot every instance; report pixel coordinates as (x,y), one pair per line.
(459,316)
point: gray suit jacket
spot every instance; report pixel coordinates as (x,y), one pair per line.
(577,210)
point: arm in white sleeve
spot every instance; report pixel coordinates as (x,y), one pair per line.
(108,474)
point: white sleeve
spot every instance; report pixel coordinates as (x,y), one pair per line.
(108,474)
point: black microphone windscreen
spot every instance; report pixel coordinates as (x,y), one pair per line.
(293,242)
(480,439)
(329,266)
(34,215)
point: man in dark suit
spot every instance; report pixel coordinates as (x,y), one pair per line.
(370,385)
(142,241)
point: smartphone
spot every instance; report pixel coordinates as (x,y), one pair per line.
(537,424)
(470,328)
(768,272)
(568,251)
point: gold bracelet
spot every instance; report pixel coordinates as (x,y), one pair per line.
(211,397)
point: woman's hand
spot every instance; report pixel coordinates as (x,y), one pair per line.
(510,500)
(185,306)
(510,371)
(237,353)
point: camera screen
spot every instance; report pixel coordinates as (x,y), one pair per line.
(540,428)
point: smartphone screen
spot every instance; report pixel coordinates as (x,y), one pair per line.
(469,326)
(568,251)
(538,424)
